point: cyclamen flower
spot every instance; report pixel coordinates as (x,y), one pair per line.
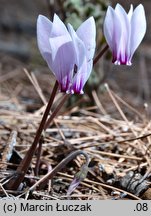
(79,177)
(124,32)
(69,54)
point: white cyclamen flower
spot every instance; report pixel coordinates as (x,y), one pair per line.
(124,32)
(68,53)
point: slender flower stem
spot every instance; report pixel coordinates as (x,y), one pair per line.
(100,54)
(56,111)
(39,150)
(53,115)
(62,164)
(24,165)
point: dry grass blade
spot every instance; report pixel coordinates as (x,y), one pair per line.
(35,83)
(119,109)
(98,103)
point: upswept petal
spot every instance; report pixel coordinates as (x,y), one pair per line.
(44,27)
(58,27)
(81,77)
(63,60)
(130,13)
(85,74)
(108,27)
(79,47)
(56,42)
(123,47)
(112,31)
(138,26)
(87,33)
(84,47)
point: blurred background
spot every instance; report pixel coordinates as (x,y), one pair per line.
(18,50)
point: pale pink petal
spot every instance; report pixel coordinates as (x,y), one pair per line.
(56,42)
(112,31)
(123,47)
(87,33)
(130,13)
(44,28)
(138,28)
(74,184)
(81,77)
(79,47)
(63,60)
(58,27)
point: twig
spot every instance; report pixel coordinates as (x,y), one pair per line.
(5,192)
(135,138)
(33,80)
(98,103)
(126,104)
(119,109)
(7,152)
(114,155)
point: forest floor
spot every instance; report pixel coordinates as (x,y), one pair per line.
(111,130)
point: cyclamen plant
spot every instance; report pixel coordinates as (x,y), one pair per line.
(69,55)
